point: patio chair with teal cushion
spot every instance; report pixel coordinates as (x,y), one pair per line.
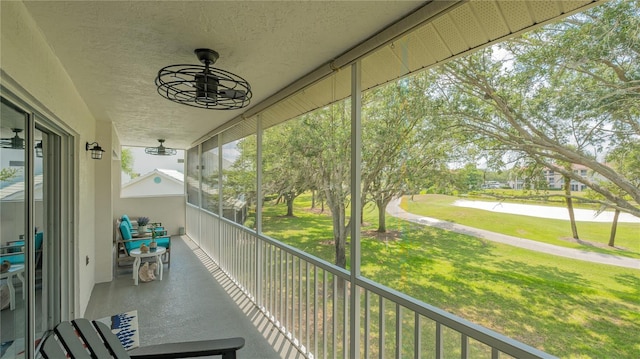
(126,243)
(14,250)
(156,226)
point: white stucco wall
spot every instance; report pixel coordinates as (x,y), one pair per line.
(103,204)
(33,72)
(168,210)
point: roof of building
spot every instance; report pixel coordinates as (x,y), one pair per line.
(172,175)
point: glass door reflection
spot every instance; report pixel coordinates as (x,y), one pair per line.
(13,285)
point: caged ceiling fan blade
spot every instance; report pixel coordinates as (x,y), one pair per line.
(15,142)
(233,94)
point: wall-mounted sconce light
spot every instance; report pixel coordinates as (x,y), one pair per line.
(39,149)
(96,151)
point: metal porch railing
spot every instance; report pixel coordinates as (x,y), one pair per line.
(308,299)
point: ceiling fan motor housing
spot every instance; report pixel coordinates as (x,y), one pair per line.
(206,87)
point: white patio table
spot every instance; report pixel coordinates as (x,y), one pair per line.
(138,255)
(16,269)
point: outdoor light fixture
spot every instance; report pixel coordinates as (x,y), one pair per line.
(39,149)
(203,86)
(160,150)
(96,151)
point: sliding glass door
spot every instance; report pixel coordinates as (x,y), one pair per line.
(13,182)
(30,218)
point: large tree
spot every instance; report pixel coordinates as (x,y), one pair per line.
(240,178)
(322,140)
(625,159)
(554,105)
(126,162)
(396,154)
(284,176)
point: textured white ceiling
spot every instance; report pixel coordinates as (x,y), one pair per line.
(113,50)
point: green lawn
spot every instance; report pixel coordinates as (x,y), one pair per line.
(550,231)
(568,308)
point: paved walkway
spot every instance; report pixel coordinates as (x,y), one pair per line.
(395,210)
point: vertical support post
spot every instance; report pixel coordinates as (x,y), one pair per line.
(347,290)
(417,332)
(300,312)
(398,330)
(259,134)
(356,159)
(29,237)
(278,289)
(199,167)
(307,309)
(220,192)
(271,282)
(439,342)
(464,346)
(367,322)
(274,284)
(315,312)
(258,219)
(334,316)
(286,307)
(324,314)
(381,328)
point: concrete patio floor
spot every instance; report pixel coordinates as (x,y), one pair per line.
(194,301)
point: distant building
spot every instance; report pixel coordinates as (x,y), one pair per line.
(554,180)
(493,185)
(159,182)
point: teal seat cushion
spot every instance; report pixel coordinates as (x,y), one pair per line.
(125,231)
(15,247)
(14,258)
(164,242)
(39,238)
(125,219)
(135,244)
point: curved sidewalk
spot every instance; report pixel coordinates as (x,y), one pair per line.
(395,210)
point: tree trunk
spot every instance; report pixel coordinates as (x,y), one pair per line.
(382,220)
(382,214)
(614,227)
(289,206)
(339,236)
(313,199)
(338,218)
(572,217)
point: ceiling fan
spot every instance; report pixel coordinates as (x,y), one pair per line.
(160,150)
(16,142)
(203,86)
